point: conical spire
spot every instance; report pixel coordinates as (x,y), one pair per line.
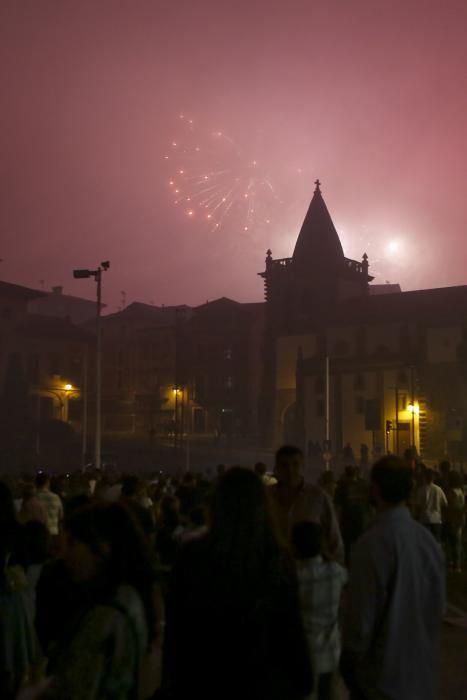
(318,244)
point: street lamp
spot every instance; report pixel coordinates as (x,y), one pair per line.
(414,410)
(58,393)
(97,274)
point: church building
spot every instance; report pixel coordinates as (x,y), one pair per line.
(387,370)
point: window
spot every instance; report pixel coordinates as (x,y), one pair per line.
(34,368)
(405,337)
(341,347)
(228,354)
(55,363)
(76,369)
(319,385)
(359,382)
(119,379)
(360,338)
(198,420)
(402,380)
(360,404)
(382,351)
(75,409)
(199,387)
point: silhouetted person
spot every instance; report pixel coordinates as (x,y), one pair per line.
(52,503)
(186,494)
(169,522)
(18,649)
(260,469)
(352,503)
(364,456)
(430,503)
(114,621)
(454,520)
(132,488)
(348,454)
(56,594)
(320,585)
(233,619)
(396,598)
(296,502)
(31,507)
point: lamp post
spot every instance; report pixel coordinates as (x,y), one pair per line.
(327,425)
(176,393)
(84,424)
(414,410)
(97,274)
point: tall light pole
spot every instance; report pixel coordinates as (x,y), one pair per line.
(327,424)
(97,274)
(84,420)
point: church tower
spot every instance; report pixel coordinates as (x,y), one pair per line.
(301,292)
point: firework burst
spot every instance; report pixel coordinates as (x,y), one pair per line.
(212,179)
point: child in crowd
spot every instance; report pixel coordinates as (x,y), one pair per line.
(321,583)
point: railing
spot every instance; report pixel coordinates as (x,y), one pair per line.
(282,262)
(353,265)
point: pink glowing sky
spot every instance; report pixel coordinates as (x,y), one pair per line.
(368,96)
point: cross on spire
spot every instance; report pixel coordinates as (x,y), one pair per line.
(318,184)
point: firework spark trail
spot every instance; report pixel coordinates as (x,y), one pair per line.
(210,173)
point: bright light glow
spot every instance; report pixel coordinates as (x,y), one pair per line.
(413,408)
(190,213)
(393,247)
(68,387)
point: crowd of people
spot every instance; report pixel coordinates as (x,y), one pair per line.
(227,584)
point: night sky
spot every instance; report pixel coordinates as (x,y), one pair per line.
(260,98)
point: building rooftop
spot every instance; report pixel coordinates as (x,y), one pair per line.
(438,306)
(16,291)
(138,311)
(318,244)
(387,288)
